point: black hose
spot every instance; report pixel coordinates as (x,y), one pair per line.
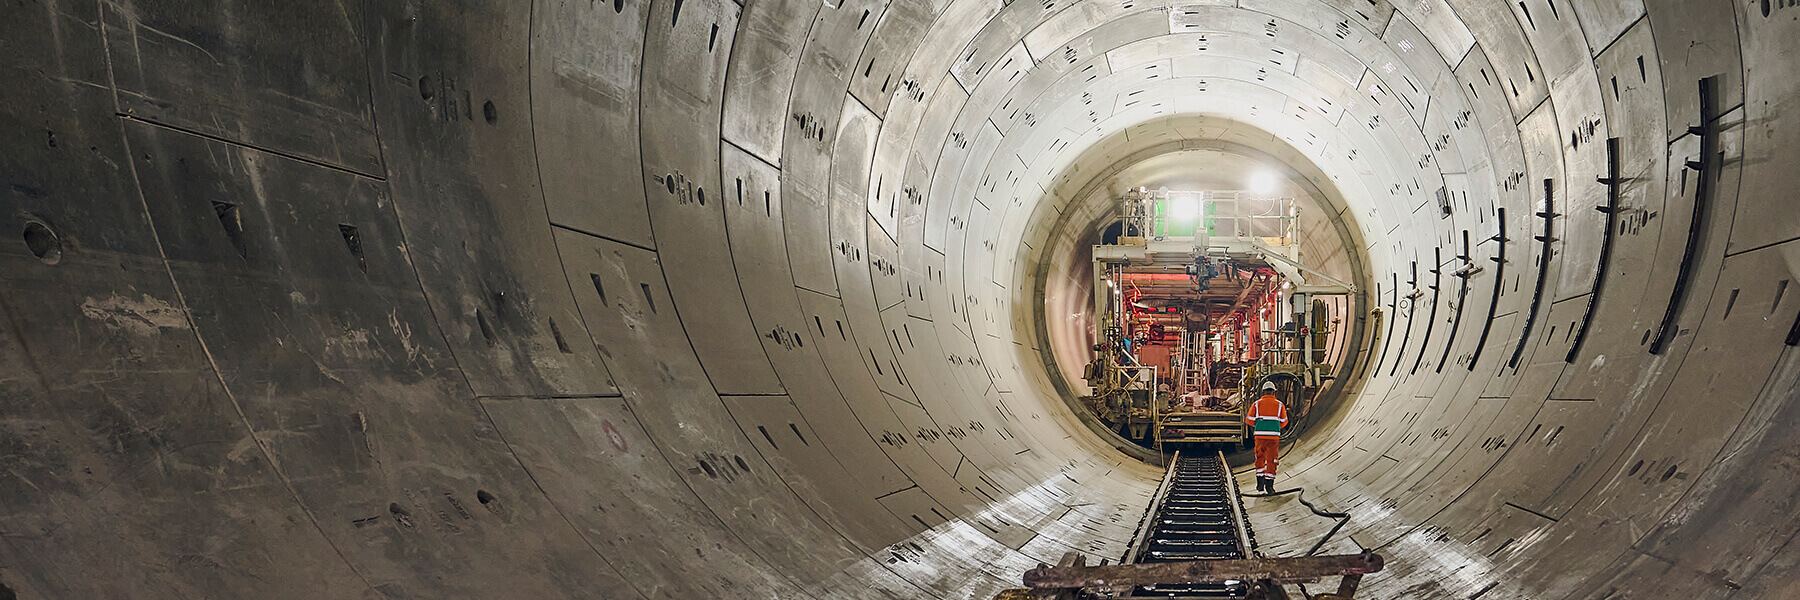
(1342,518)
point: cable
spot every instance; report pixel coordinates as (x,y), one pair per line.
(1341,517)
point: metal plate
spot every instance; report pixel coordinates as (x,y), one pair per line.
(336,375)
(756,91)
(1514,65)
(1581,120)
(114,415)
(1768,176)
(1712,31)
(796,452)
(1446,26)
(287,78)
(467,193)
(890,50)
(1603,21)
(687,198)
(575,445)
(584,116)
(1611,356)
(1555,36)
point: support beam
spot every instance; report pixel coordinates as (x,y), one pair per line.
(1302,569)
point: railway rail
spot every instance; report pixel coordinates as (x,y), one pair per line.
(1194,543)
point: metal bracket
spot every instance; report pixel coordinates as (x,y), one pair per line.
(1274,254)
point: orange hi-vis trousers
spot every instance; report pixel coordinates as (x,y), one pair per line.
(1268,451)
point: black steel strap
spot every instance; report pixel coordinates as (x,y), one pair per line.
(1412,307)
(1537,294)
(1703,182)
(1437,287)
(1499,259)
(1462,294)
(1606,243)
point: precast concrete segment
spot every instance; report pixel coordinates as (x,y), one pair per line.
(695,298)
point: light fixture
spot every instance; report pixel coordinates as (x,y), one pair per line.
(1262,182)
(1184,207)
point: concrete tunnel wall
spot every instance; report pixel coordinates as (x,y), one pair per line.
(698,299)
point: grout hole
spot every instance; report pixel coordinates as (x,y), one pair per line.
(490,113)
(561,344)
(598,288)
(741,464)
(487,331)
(766,436)
(353,241)
(233,224)
(43,242)
(425,87)
(796,429)
(647,299)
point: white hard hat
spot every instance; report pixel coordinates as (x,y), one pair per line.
(1268,386)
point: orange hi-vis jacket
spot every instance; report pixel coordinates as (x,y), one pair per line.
(1266,416)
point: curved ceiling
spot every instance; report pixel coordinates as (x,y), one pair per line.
(694,298)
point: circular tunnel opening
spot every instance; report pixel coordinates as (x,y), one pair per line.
(1196,271)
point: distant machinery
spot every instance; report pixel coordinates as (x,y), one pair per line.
(1187,298)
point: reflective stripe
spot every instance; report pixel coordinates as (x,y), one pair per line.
(1267,420)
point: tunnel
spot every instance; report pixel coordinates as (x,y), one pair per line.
(781,298)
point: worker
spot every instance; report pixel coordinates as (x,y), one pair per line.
(1266,417)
